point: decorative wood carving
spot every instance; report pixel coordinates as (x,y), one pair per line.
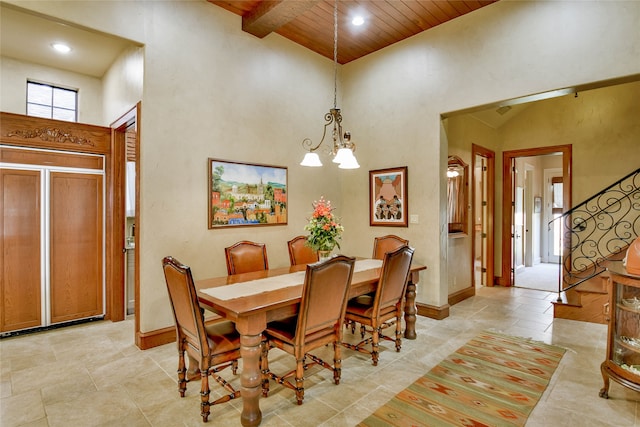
(51,134)
(35,132)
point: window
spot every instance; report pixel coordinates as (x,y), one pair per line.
(51,102)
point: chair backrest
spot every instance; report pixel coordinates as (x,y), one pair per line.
(324,297)
(393,278)
(300,253)
(384,244)
(245,257)
(190,330)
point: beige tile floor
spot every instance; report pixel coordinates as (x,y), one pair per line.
(93,374)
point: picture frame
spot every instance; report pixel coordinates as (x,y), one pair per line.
(246,194)
(537,204)
(388,199)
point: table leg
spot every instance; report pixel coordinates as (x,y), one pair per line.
(250,380)
(410,307)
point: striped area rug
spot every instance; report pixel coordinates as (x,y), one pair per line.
(493,380)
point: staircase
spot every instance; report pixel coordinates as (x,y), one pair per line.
(595,233)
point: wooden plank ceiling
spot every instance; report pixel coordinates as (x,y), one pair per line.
(310,22)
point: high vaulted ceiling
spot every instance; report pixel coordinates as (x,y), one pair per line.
(310,23)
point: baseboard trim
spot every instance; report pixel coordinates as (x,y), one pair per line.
(432,311)
(147,340)
(461,295)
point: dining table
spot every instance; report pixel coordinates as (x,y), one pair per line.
(251,300)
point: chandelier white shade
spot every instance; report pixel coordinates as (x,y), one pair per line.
(311,160)
(342,148)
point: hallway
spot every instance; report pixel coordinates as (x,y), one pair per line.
(544,277)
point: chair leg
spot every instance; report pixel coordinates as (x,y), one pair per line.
(398,334)
(204,395)
(375,338)
(182,371)
(337,362)
(264,367)
(300,380)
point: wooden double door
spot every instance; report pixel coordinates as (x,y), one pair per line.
(53,244)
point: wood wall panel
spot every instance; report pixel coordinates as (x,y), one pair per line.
(50,158)
(26,131)
(20,266)
(76,245)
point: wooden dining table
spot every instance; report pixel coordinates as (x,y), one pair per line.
(251,312)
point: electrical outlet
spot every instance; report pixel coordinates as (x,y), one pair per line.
(413,219)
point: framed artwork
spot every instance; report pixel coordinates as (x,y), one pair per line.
(246,194)
(388,197)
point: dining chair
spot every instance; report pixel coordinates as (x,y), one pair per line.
(385,308)
(381,245)
(318,323)
(245,257)
(211,347)
(384,244)
(300,253)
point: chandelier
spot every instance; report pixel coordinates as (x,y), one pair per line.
(342,149)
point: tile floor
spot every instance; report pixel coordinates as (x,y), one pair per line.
(93,374)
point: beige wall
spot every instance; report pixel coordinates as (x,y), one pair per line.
(219,92)
(122,84)
(13,87)
(503,51)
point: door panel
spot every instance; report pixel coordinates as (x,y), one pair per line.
(20,265)
(76,227)
(518,229)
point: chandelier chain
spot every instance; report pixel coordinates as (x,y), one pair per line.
(335,54)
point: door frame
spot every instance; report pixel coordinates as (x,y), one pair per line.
(118,219)
(548,175)
(489,155)
(508,157)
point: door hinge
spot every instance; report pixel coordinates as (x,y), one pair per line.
(484,270)
(484,203)
(483,235)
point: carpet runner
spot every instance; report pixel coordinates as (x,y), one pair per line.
(493,380)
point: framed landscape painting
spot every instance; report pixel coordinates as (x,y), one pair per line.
(246,194)
(388,197)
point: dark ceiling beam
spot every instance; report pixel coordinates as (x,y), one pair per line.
(270,15)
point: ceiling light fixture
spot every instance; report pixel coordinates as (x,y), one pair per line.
(342,148)
(61,47)
(357,20)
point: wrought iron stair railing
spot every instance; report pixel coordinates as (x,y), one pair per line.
(597,230)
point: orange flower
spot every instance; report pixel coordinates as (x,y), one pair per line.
(324,230)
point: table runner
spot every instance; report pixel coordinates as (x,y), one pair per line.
(258,286)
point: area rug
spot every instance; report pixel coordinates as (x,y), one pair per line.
(493,380)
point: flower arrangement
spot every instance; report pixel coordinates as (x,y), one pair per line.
(324,229)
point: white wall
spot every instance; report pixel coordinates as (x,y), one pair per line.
(13,88)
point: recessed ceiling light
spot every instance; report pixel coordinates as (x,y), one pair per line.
(61,47)
(357,20)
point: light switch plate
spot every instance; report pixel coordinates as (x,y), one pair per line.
(413,219)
